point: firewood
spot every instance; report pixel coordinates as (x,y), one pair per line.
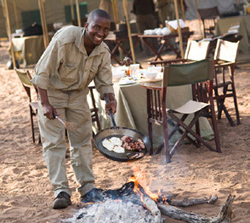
(224,216)
(152,206)
(189,202)
(179,214)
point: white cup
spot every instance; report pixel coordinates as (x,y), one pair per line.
(134,69)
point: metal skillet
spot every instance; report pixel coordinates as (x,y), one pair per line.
(119,132)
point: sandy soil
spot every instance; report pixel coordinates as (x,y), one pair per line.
(26,194)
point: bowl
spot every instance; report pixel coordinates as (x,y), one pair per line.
(150,74)
(117,75)
(155,69)
(165,31)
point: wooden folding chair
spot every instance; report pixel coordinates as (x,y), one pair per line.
(225,57)
(94,109)
(200,75)
(194,51)
(25,78)
(209,18)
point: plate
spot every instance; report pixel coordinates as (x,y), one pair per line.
(145,80)
(125,82)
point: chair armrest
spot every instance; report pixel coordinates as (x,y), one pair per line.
(151,86)
(224,64)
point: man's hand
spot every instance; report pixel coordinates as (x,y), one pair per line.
(48,110)
(112,103)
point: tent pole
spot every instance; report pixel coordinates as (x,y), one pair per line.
(116,17)
(125,3)
(9,33)
(199,18)
(78,14)
(45,23)
(179,28)
(40,3)
(16,15)
(72,10)
(183,11)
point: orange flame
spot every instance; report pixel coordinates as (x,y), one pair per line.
(139,178)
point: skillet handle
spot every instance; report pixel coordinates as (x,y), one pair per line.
(110,111)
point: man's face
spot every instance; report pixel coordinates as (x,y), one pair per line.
(97,30)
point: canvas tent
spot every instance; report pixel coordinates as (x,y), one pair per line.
(224,6)
(57,11)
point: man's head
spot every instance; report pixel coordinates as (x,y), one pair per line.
(97,27)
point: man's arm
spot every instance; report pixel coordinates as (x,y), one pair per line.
(48,110)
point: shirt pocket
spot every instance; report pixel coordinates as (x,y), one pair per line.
(69,73)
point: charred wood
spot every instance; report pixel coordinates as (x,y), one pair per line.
(189,202)
(152,206)
(224,216)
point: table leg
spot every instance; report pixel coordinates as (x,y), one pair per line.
(177,52)
(152,49)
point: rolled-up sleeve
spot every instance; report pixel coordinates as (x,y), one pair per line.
(103,79)
(47,65)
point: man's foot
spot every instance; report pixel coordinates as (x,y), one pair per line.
(62,201)
(93,195)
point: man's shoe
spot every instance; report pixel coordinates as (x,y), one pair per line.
(93,195)
(62,201)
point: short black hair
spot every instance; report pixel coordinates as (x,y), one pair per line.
(99,13)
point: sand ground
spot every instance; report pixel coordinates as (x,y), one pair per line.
(26,193)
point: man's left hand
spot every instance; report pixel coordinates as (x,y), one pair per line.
(112,103)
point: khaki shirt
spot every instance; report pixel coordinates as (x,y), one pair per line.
(66,66)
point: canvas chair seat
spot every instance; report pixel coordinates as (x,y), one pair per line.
(190,107)
(199,75)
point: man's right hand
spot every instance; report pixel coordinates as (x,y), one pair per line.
(48,110)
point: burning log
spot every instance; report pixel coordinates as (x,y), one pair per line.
(151,205)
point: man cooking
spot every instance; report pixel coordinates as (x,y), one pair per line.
(74,57)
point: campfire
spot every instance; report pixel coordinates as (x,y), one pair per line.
(135,203)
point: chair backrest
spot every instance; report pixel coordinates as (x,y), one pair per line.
(209,17)
(226,51)
(188,73)
(209,13)
(197,50)
(25,78)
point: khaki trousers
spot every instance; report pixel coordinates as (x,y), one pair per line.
(72,106)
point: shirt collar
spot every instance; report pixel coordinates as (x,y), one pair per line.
(80,44)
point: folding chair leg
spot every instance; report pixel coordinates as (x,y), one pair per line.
(177,128)
(215,127)
(236,106)
(221,107)
(150,135)
(188,129)
(32,125)
(39,139)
